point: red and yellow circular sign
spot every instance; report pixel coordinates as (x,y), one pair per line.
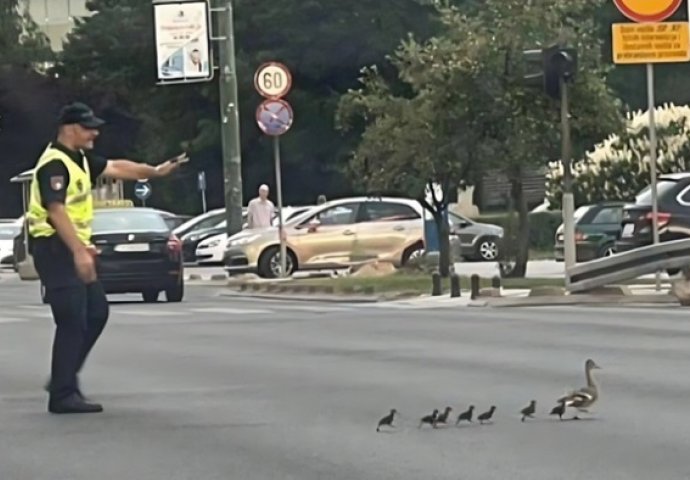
(648,10)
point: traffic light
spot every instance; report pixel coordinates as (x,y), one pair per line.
(547,66)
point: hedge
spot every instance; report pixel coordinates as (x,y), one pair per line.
(542,227)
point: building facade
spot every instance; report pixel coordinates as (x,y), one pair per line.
(55,17)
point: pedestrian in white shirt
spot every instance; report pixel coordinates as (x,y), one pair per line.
(260,210)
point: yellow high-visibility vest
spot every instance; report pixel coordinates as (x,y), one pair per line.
(78,201)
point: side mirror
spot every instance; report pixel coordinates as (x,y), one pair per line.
(313,225)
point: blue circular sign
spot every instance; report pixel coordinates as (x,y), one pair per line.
(142,190)
(274,117)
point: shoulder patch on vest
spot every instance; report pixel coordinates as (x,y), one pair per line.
(57,182)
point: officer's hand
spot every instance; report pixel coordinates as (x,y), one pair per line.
(169,166)
(85,266)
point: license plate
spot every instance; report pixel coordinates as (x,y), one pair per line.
(133,247)
(628,230)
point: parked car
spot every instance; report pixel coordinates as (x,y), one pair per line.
(174,220)
(478,241)
(597,226)
(200,222)
(673,200)
(335,234)
(9,229)
(191,241)
(211,250)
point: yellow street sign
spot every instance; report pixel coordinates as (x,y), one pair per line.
(637,43)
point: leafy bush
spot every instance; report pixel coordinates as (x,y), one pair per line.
(618,168)
(542,227)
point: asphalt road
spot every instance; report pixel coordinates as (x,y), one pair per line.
(218,388)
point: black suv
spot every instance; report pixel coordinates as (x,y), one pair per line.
(673,200)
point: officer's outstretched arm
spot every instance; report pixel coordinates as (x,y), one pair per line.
(128,170)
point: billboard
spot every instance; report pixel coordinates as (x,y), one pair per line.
(183,44)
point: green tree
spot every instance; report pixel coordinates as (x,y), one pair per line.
(22,44)
(323,42)
(458,103)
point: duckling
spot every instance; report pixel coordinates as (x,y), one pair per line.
(585,397)
(529,410)
(430,419)
(486,416)
(559,410)
(387,420)
(467,415)
(443,418)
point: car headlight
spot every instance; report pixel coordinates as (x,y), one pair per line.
(214,243)
(242,240)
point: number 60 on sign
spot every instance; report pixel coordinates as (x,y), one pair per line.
(273,80)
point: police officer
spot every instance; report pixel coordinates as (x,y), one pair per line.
(59,223)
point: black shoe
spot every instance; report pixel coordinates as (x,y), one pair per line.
(46,387)
(73,404)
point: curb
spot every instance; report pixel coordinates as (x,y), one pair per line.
(583,300)
(195,277)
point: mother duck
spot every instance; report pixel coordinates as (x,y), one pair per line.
(585,397)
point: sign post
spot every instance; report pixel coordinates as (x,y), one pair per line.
(201,180)
(274,117)
(142,190)
(648,41)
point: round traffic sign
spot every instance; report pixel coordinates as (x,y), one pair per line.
(142,190)
(648,10)
(273,80)
(274,117)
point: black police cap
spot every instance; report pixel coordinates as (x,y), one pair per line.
(79,113)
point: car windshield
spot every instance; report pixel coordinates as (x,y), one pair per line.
(9,231)
(128,221)
(580,212)
(645,196)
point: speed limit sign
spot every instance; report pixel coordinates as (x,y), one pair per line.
(273,80)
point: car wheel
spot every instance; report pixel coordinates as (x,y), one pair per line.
(269,263)
(607,251)
(413,253)
(150,296)
(175,294)
(487,249)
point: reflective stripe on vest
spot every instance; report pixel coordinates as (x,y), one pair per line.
(78,199)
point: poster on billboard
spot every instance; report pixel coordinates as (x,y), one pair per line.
(183,45)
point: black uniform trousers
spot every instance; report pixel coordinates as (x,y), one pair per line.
(80,313)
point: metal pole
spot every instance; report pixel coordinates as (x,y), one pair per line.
(203,199)
(652,163)
(279,192)
(568,200)
(230,123)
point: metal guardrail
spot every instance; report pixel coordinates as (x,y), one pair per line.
(628,265)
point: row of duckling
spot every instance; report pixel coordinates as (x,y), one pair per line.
(581,400)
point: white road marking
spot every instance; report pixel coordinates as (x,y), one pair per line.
(12,320)
(231,311)
(148,313)
(315,308)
